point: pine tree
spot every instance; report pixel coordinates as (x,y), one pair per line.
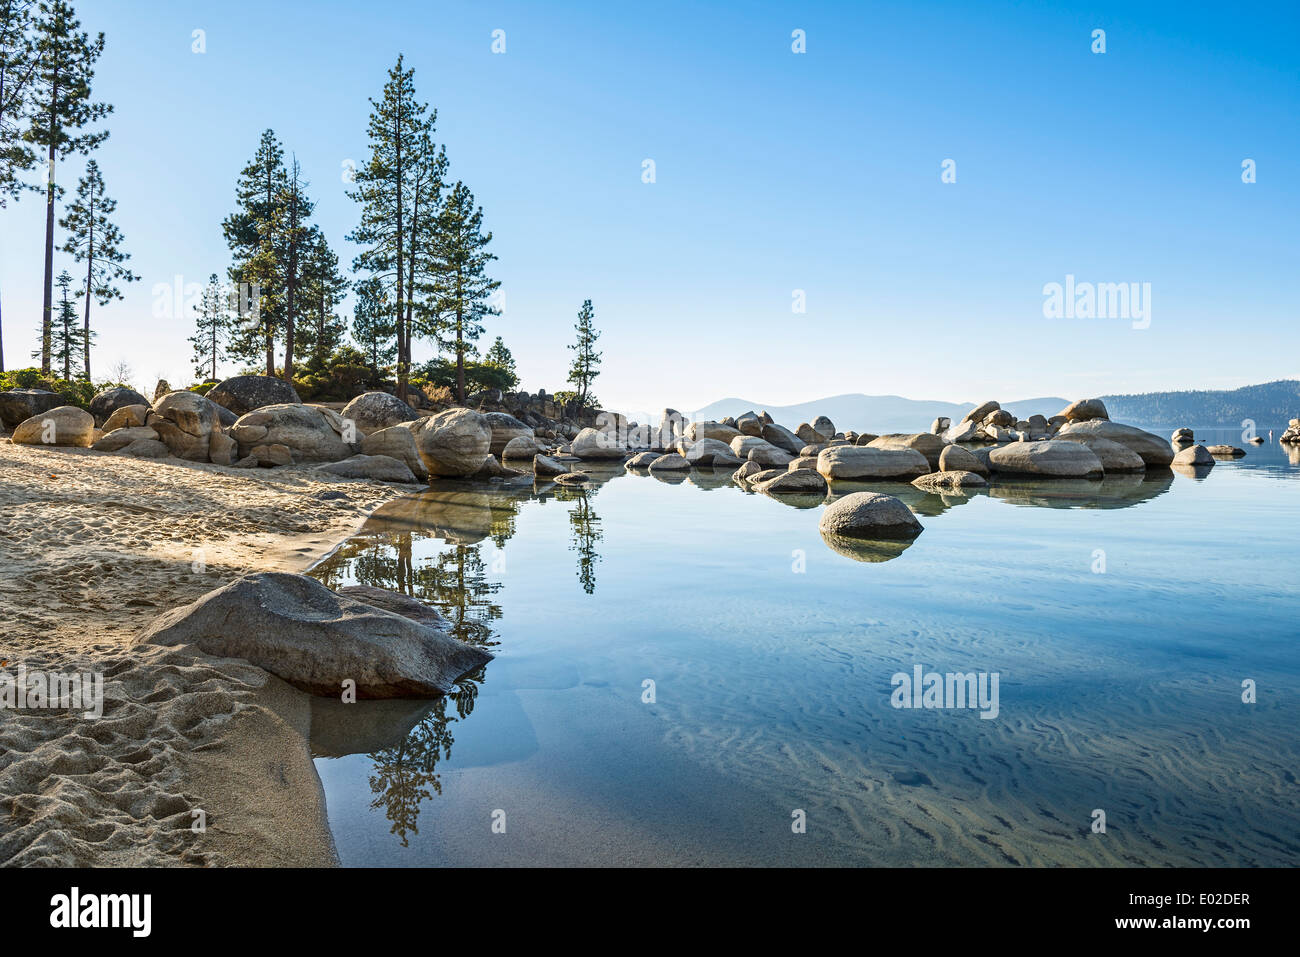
(501,361)
(250,234)
(323,289)
(373,328)
(586,363)
(461,289)
(394,187)
(18,65)
(95,240)
(61,92)
(17,71)
(212,325)
(292,237)
(66,339)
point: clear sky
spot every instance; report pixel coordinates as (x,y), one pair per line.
(775,171)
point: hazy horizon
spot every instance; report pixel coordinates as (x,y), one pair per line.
(775,172)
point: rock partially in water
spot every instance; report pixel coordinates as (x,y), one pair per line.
(1155,451)
(869,515)
(315,639)
(946,481)
(868,462)
(1049,459)
(1195,455)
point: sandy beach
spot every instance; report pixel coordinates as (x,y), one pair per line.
(95,547)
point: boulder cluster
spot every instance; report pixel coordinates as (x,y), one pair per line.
(1292,434)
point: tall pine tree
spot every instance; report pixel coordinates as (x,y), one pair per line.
(250,234)
(462,289)
(586,362)
(17,72)
(95,240)
(212,324)
(18,63)
(291,237)
(323,289)
(63,108)
(393,188)
(373,328)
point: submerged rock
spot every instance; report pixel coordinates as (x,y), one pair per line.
(939,481)
(315,639)
(871,515)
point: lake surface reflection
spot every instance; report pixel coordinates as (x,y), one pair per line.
(682,666)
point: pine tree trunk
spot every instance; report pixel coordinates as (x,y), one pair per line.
(90,276)
(49,263)
(460,359)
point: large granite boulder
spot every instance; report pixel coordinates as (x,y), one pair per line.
(522,447)
(64,425)
(396,442)
(1155,451)
(954,458)
(1114,457)
(712,453)
(454,443)
(372,411)
(792,482)
(127,417)
(1048,459)
(1194,455)
(109,401)
(18,405)
(592,444)
(927,443)
(315,639)
(247,393)
(311,432)
(783,438)
(868,462)
(981,412)
(184,422)
(870,515)
(505,427)
(710,430)
(1084,410)
(119,439)
(380,468)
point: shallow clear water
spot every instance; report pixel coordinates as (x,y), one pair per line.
(1121,618)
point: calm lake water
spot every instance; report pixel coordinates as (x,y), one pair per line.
(1121,617)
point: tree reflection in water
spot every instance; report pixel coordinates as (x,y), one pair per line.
(454,579)
(584,523)
(405,775)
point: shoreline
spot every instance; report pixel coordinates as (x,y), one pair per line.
(96,547)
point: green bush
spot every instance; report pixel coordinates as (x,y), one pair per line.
(76,392)
(344,375)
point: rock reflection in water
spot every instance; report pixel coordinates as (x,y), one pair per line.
(1116,490)
(404,741)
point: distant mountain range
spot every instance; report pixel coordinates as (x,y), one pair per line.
(1271,404)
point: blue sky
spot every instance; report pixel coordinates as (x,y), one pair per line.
(775,171)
